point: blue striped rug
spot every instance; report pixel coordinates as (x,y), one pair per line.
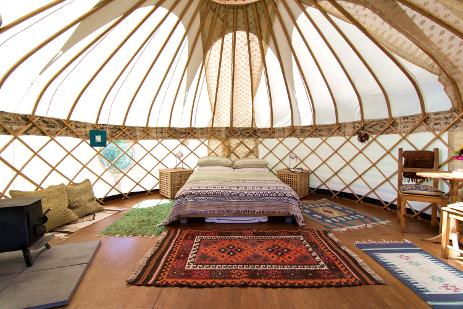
(437,283)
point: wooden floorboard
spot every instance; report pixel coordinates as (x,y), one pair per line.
(104,286)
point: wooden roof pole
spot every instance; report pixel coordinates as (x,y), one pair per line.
(114,52)
(190,54)
(262,53)
(357,94)
(312,54)
(83,50)
(187,29)
(51,38)
(121,72)
(425,49)
(248,43)
(280,60)
(351,45)
(30,15)
(224,29)
(232,102)
(207,46)
(385,51)
(434,18)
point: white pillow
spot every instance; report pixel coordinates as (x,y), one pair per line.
(215,168)
(251,169)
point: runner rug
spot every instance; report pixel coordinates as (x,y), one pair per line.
(279,258)
(64,231)
(437,283)
(337,217)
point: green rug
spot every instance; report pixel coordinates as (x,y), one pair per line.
(141,220)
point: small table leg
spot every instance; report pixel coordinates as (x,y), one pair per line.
(27,257)
(445,234)
(453,198)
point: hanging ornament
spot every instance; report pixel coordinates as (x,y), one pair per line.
(98,138)
(362,135)
(117,156)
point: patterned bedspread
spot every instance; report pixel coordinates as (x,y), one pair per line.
(224,194)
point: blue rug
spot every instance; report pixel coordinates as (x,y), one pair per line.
(437,283)
(337,217)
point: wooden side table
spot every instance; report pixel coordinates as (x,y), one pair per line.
(172,179)
(450,215)
(298,181)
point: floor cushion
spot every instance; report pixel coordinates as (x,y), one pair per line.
(54,198)
(420,189)
(82,199)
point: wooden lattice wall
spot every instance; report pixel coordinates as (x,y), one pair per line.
(339,163)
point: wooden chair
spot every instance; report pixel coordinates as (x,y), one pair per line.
(418,192)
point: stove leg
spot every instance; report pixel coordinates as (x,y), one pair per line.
(27,257)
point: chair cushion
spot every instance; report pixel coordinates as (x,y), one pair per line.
(54,197)
(420,189)
(82,199)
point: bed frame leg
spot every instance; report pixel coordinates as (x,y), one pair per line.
(183,220)
(289,219)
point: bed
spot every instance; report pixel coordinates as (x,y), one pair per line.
(235,194)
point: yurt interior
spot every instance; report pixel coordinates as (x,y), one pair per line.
(231,154)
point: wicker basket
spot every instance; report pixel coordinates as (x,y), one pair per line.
(171,180)
(298,181)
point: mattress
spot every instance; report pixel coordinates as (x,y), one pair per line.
(231,194)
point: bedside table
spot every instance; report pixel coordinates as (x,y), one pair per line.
(172,179)
(298,181)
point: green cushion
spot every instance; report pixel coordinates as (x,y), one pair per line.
(54,197)
(82,200)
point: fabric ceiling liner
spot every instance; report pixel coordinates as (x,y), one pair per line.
(219,63)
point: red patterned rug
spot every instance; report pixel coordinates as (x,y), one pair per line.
(278,258)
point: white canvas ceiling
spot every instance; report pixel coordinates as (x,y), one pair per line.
(199,63)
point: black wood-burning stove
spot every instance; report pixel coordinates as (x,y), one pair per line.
(21,225)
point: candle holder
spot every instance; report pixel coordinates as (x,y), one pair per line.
(178,156)
(292,158)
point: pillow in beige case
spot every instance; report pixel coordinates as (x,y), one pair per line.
(82,200)
(54,197)
(252,170)
(245,163)
(215,168)
(215,161)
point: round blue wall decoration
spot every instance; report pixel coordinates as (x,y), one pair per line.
(113,156)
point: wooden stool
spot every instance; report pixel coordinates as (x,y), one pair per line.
(449,224)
